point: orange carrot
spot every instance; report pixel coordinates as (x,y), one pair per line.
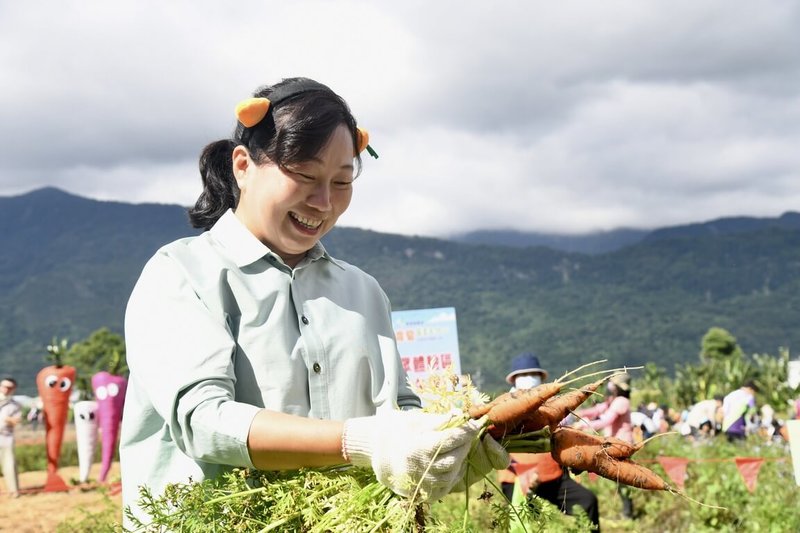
(554,410)
(477,411)
(628,472)
(574,448)
(522,402)
(515,398)
(620,449)
(507,414)
(583,451)
(565,442)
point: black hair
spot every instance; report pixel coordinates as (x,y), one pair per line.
(303,114)
(750,384)
(9,378)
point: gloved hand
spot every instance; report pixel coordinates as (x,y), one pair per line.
(407,449)
(485,456)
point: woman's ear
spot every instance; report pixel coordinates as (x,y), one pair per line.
(241,161)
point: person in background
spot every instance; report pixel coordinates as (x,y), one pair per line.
(538,471)
(613,417)
(659,417)
(10,415)
(249,345)
(768,424)
(703,417)
(738,408)
(641,420)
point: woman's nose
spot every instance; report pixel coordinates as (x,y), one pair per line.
(320,197)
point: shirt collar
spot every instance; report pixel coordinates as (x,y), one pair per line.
(245,249)
(318,251)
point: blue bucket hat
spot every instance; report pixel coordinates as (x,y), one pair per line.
(523,364)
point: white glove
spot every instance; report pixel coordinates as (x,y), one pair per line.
(408,452)
(485,456)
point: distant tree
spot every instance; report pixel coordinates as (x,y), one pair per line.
(718,343)
(772,378)
(723,367)
(102,350)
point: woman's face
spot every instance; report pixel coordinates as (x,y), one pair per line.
(290,209)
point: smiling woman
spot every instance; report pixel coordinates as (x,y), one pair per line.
(250,346)
(288,171)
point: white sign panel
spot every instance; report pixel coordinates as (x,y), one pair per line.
(427,340)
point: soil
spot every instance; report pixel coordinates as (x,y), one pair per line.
(38,512)
(35,511)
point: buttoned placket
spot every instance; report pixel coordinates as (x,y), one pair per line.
(314,350)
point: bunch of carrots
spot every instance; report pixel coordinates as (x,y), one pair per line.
(519,420)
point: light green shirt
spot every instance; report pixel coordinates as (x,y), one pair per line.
(218,327)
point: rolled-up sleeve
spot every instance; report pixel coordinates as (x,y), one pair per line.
(182,353)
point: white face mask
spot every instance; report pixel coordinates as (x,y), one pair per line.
(527,382)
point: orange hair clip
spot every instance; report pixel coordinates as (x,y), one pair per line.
(252,111)
(363,142)
(363,139)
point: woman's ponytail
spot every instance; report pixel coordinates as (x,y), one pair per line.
(220,191)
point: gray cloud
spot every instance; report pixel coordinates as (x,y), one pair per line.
(564,117)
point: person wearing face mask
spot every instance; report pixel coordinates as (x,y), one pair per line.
(538,473)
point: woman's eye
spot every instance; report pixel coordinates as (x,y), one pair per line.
(304,177)
(342,184)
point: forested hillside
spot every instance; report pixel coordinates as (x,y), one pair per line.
(69,263)
(67,267)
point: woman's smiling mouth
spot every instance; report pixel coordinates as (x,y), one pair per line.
(307,223)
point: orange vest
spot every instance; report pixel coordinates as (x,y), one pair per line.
(543,463)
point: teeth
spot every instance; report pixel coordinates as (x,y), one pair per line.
(308,222)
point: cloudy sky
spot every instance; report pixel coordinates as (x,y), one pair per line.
(561,117)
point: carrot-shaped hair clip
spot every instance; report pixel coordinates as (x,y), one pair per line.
(253,110)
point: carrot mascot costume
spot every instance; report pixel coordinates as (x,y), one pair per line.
(109,390)
(85,415)
(55,384)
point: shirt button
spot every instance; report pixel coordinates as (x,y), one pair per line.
(317,368)
(304,320)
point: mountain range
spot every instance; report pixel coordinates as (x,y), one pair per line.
(632,296)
